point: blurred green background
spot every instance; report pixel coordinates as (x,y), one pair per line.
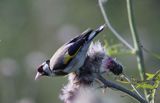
(32,30)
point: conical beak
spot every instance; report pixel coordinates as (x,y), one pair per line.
(38,75)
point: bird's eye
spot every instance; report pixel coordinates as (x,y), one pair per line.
(40,69)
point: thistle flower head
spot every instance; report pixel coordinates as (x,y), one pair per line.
(110,64)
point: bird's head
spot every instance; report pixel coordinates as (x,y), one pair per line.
(44,70)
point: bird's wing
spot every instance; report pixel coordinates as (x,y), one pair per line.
(77,44)
(73,50)
(86,32)
(68,51)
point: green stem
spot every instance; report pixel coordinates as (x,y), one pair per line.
(100,2)
(137,45)
(153,96)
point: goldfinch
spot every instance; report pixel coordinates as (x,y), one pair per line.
(69,57)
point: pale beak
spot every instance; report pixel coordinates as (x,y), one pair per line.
(38,75)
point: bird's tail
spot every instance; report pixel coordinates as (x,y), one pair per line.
(95,32)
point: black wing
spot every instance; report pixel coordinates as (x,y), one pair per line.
(78,42)
(84,34)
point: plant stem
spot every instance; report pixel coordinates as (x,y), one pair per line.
(111,28)
(133,86)
(136,42)
(153,96)
(110,84)
(137,45)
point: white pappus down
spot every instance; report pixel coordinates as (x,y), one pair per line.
(97,50)
(89,95)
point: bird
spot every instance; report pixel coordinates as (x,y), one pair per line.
(70,56)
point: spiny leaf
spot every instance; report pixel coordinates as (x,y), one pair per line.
(149,76)
(148,84)
(155,76)
(145,85)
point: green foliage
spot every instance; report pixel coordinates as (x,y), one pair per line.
(116,49)
(152,81)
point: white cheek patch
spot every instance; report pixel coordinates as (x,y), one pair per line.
(45,67)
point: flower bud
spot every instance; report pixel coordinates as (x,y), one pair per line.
(112,65)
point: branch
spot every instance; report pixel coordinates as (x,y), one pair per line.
(110,84)
(136,41)
(111,28)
